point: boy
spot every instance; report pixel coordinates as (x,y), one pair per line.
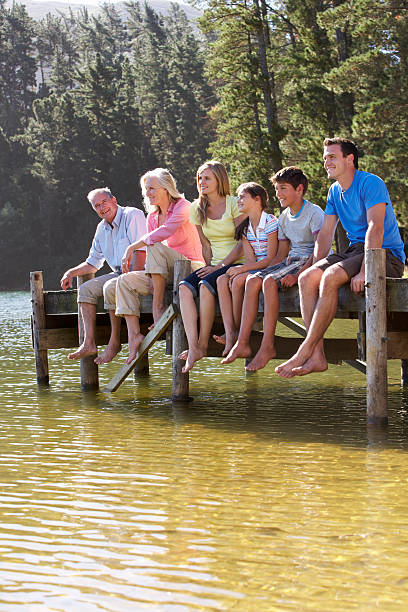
(299,225)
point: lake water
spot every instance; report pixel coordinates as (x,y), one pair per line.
(262,494)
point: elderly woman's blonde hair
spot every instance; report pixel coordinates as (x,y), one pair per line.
(165,180)
(223,183)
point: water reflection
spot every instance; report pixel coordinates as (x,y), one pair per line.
(261,494)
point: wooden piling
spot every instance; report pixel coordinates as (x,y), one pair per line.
(180,381)
(404,372)
(376,337)
(88,367)
(39,324)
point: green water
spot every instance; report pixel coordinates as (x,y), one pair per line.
(262,494)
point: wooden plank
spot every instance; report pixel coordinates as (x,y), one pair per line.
(153,335)
(59,302)
(397,345)
(293,325)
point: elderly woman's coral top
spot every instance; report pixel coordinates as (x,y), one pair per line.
(177,231)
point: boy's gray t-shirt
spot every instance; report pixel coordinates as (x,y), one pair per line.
(299,229)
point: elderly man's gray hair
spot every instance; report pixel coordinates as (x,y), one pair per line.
(96,192)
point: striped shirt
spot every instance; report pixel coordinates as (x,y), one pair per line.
(268,224)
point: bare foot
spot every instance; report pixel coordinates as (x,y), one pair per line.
(299,359)
(239,349)
(262,357)
(316,363)
(193,354)
(219,339)
(83,351)
(157,313)
(109,353)
(134,343)
(183,356)
(230,341)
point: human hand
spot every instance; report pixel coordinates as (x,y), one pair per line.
(234,271)
(289,280)
(127,258)
(66,280)
(357,283)
(203,272)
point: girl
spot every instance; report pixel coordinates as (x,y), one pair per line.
(259,235)
(216,216)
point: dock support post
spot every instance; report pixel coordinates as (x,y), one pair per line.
(404,372)
(88,368)
(180,380)
(376,337)
(142,368)
(38,310)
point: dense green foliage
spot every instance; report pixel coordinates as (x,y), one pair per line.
(89,101)
(291,72)
(115,98)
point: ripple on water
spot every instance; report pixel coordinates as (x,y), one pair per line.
(261,494)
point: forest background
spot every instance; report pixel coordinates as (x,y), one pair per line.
(93,100)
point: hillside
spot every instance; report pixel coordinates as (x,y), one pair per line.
(38,10)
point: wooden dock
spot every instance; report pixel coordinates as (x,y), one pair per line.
(383,332)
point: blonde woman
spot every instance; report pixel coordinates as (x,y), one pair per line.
(170,237)
(216,216)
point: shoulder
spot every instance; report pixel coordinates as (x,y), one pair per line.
(283,216)
(100,227)
(367,179)
(132,211)
(314,209)
(182,202)
(271,222)
(231,206)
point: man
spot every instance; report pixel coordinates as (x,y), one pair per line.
(119,227)
(362,203)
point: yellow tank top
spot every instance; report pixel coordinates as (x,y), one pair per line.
(219,232)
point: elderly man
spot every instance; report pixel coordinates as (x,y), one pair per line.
(119,227)
(362,203)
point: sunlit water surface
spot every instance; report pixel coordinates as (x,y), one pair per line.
(262,494)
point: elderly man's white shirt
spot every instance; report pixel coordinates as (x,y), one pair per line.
(111,241)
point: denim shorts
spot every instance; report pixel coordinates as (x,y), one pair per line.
(193,281)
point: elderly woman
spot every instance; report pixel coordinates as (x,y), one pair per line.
(216,216)
(170,237)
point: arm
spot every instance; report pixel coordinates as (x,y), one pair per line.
(373,240)
(178,217)
(79,270)
(250,260)
(325,237)
(291,279)
(232,256)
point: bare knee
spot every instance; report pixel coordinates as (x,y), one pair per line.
(222,281)
(253,284)
(238,283)
(269,284)
(310,278)
(333,278)
(205,293)
(185,293)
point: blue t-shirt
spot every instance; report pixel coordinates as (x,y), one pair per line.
(351,207)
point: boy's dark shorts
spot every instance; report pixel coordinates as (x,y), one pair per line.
(193,281)
(352,258)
